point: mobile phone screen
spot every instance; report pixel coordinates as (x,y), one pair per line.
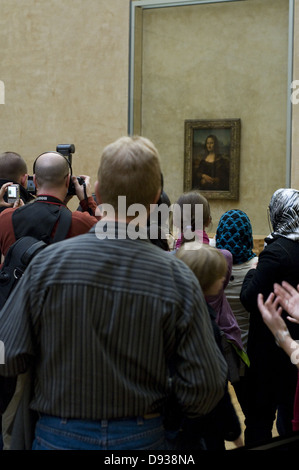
(12,191)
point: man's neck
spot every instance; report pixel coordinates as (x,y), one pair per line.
(48,192)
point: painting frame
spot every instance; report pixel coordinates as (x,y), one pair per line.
(199,134)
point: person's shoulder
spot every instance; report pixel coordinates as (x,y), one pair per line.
(83,215)
(279,244)
(82,221)
(227,254)
(69,244)
(7,213)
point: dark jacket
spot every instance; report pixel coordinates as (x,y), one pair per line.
(209,431)
(279,261)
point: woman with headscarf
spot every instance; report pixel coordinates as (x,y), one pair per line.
(272,378)
(234,233)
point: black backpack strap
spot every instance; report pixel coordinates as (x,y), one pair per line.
(64,224)
(31,251)
(16,260)
(39,220)
(20,253)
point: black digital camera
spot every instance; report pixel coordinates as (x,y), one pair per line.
(67,150)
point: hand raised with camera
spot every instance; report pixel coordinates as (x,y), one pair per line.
(83,191)
(3,191)
(3,203)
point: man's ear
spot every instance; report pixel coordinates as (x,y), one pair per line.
(23,180)
(158,195)
(34,181)
(152,206)
(67,180)
(97,193)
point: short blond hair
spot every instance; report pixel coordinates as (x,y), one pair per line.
(130,167)
(207,262)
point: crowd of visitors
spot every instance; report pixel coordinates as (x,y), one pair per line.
(116,339)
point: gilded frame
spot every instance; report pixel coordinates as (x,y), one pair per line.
(224,134)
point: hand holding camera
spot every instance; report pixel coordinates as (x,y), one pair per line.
(82,187)
(13,195)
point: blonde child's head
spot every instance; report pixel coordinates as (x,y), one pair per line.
(208,264)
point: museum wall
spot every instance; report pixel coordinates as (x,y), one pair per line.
(220,61)
(64,64)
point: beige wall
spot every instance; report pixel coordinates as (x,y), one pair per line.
(64,64)
(220,61)
(65,67)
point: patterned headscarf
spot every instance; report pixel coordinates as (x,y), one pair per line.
(284,213)
(234,233)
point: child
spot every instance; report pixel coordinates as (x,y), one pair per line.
(210,267)
(225,318)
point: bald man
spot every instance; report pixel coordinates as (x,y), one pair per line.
(40,219)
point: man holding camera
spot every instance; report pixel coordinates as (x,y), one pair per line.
(52,178)
(13,168)
(44,219)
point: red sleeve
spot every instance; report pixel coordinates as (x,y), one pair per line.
(7,234)
(89,204)
(81,223)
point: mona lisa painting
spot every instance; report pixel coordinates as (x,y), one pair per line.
(212,157)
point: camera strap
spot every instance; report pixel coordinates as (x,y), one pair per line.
(49,200)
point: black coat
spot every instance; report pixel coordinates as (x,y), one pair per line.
(279,261)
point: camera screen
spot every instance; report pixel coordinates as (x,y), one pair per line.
(12,191)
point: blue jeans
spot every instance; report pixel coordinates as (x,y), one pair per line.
(118,434)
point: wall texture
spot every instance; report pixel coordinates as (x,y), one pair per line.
(65,67)
(220,61)
(64,64)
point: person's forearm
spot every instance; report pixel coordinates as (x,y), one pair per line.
(288,344)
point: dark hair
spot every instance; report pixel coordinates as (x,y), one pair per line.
(193,198)
(12,166)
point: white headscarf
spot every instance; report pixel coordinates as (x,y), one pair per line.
(284,213)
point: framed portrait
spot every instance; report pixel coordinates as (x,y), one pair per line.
(212,157)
